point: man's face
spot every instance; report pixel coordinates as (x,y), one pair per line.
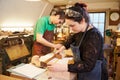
(57,20)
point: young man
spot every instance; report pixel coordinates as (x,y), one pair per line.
(43,33)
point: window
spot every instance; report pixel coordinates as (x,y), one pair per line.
(98,20)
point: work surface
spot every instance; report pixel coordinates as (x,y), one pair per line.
(43,74)
(3,77)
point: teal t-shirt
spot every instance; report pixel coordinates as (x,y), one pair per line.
(42,25)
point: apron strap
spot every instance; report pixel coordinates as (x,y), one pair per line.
(83,35)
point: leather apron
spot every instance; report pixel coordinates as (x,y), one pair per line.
(95,74)
(40,49)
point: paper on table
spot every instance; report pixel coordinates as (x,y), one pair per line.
(29,70)
(46,57)
(64,60)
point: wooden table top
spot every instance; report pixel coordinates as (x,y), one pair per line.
(3,77)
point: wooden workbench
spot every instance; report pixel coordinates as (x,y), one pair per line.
(50,75)
(3,77)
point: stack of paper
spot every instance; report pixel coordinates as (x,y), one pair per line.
(28,70)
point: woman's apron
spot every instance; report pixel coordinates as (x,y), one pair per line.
(40,49)
(95,74)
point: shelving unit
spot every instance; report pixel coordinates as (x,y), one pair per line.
(114,57)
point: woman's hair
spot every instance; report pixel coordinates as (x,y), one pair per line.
(78,12)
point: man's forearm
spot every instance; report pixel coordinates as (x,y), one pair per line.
(45,42)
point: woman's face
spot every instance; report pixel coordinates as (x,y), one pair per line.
(75,26)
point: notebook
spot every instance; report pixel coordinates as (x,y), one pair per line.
(28,70)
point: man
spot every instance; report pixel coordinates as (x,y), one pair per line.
(43,33)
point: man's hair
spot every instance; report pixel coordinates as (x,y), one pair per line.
(61,13)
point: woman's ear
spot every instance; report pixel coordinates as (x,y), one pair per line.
(82,21)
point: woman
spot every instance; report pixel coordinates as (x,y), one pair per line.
(86,44)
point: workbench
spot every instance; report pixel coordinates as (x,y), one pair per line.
(48,75)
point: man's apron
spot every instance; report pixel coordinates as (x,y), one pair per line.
(95,74)
(40,49)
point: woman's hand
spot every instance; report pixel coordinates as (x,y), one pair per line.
(58,67)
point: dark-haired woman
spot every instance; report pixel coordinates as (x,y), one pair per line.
(86,44)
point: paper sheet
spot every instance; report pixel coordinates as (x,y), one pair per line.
(29,70)
(64,60)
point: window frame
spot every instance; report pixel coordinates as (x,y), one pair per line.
(98,21)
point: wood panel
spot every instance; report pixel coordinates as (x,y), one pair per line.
(17,51)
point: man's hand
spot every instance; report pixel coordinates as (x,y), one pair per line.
(35,60)
(60,50)
(57,46)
